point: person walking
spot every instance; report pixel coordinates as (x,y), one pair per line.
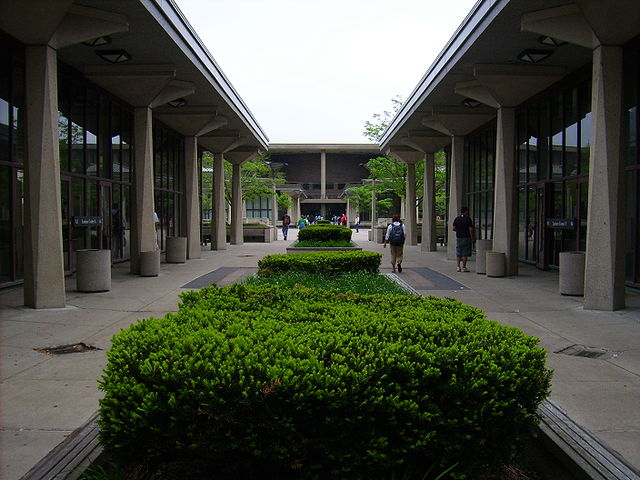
(343,220)
(465,234)
(286,221)
(357,223)
(302,223)
(395,237)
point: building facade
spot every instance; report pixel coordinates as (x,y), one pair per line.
(104,109)
(539,104)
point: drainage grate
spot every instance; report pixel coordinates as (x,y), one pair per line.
(72,348)
(588,352)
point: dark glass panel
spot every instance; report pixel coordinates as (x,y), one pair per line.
(632,250)
(557,134)
(126,145)
(77,132)
(584,98)
(582,215)
(571,203)
(92,111)
(489,215)
(531,223)
(78,234)
(522,222)
(18,223)
(6,228)
(631,137)
(114,135)
(544,165)
(5,146)
(65,205)
(571,153)
(126,209)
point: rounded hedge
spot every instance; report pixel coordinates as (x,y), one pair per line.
(328,263)
(269,382)
(325,233)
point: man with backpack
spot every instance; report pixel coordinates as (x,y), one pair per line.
(465,233)
(395,237)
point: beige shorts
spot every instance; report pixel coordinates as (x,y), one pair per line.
(396,253)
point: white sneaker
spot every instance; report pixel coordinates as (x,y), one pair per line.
(465,269)
(458,269)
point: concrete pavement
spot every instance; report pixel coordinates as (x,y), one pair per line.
(45,397)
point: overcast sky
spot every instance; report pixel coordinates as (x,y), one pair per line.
(314,71)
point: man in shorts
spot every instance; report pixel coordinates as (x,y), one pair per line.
(465,233)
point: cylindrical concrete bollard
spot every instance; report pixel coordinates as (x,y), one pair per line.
(572,273)
(93,272)
(496,264)
(150,263)
(176,250)
(482,246)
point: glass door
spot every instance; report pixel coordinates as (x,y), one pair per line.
(541,232)
(106,212)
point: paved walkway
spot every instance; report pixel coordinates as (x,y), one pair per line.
(43,397)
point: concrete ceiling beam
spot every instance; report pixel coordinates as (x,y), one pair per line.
(191,121)
(240,157)
(508,85)
(409,156)
(424,144)
(457,121)
(81,24)
(588,23)
(138,85)
(172,91)
(33,22)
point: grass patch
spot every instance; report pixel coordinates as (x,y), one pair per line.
(327,243)
(358,282)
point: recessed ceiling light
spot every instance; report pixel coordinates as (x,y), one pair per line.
(98,42)
(552,42)
(533,56)
(178,102)
(114,56)
(470,102)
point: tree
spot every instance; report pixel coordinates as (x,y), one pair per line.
(373,130)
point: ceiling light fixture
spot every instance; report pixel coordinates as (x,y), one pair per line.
(470,102)
(114,56)
(178,102)
(98,42)
(533,56)
(552,42)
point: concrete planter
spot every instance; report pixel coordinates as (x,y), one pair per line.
(150,263)
(482,246)
(176,250)
(294,249)
(93,272)
(496,264)
(572,273)
(255,234)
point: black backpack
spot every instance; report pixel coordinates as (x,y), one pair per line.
(396,236)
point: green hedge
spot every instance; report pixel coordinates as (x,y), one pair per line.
(328,263)
(323,222)
(325,233)
(268,382)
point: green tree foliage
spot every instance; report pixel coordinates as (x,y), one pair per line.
(374,129)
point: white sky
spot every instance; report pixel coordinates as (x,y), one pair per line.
(314,71)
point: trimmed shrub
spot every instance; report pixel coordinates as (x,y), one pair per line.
(323,222)
(269,382)
(328,263)
(328,243)
(324,233)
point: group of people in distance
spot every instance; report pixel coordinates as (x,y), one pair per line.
(396,234)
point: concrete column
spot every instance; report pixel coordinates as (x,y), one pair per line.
(410,206)
(44,285)
(323,174)
(604,266)
(237,237)
(218,227)
(374,212)
(429,239)
(455,191)
(274,212)
(192,213)
(505,210)
(143,231)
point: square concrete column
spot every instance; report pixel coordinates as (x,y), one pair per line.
(455,191)
(218,226)
(323,174)
(429,239)
(274,212)
(604,266)
(505,209)
(192,213)
(410,206)
(237,237)
(44,285)
(143,230)
(374,210)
